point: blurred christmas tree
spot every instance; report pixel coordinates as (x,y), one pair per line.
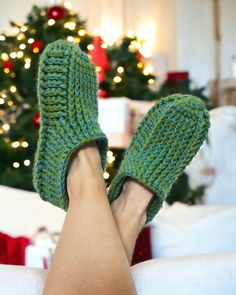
(122,71)
(179,82)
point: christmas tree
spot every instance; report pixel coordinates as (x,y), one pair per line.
(122,71)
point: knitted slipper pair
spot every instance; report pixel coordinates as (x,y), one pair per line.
(164,143)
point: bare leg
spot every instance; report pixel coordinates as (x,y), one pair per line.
(129,211)
(89,258)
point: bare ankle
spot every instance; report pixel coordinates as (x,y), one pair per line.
(133,201)
(85,171)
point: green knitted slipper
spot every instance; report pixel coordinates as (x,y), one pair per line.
(164,143)
(68,114)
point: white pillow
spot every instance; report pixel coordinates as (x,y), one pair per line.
(180,230)
(23,212)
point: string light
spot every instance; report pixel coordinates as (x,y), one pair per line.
(31,40)
(140,65)
(77,40)
(111,159)
(15,144)
(98,69)
(6,71)
(22,46)
(20,54)
(67,5)
(27,63)
(82,32)
(90,47)
(24,144)
(23,29)
(13,89)
(70,38)
(104,45)
(148,70)
(26,162)
(70,25)
(151,81)
(13,55)
(21,36)
(42,13)
(135,44)
(36,50)
(120,69)
(106,175)
(51,22)
(117,79)
(27,66)
(16,165)
(5,127)
(109,153)
(10,103)
(2,101)
(2,38)
(5,56)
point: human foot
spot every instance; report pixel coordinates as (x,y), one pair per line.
(129,212)
(68,106)
(164,143)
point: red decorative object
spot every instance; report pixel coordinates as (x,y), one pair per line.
(38,44)
(8,65)
(56,12)
(143,250)
(99,58)
(175,77)
(12,250)
(102,93)
(36,120)
(139,55)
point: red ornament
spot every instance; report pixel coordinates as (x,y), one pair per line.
(139,55)
(36,119)
(37,45)
(8,65)
(99,58)
(102,93)
(56,12)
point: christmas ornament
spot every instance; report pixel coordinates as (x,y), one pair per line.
(8,65)
(102,93)
(36,119)
(99,58)
(56,12)
(139,55)
(37,46)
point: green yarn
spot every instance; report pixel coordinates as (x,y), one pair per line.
(68,114)
(163,145)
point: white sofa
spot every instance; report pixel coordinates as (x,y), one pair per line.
(177,230)
(196,275)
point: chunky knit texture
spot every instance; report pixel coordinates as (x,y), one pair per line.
(68,106)
(164,143)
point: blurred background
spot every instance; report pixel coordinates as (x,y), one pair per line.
(142,51)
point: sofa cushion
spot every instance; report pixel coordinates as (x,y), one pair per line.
(186,230)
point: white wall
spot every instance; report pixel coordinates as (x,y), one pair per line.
(228,28)
(179,33)
(195,39)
